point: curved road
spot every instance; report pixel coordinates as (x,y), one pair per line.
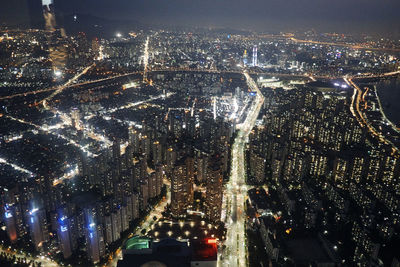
(360,116)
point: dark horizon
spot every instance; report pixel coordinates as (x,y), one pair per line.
(364,16)
(359,16)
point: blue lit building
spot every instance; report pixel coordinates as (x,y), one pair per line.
(38,227)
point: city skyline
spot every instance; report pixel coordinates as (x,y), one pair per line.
(124,144)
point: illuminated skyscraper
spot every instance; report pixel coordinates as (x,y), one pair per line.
(255,62)
(116,224)
(152,182)
(94,237)
(10,223)
(213,203)
(190,179)
(170,159)
(65,235)
(144,193)
(201,167)
(157,152)
(134,139)
(257,167)
(95,48)
(116,157)
(178,190)
(38,227)
(245,58)
(159,178)
(182,186)
(95,242)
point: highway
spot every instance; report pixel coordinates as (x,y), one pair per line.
(45,90)
(235,192)
(211,71)
(360,116)
(67,84)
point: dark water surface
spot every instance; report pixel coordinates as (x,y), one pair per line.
(389,93)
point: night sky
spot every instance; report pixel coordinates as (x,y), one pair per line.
(368,16)
(263,15)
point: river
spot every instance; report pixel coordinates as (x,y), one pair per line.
(389,94)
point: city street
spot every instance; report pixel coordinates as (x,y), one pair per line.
(44,261)
(235,253)
(145,224)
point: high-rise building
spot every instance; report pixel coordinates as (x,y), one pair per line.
(135,206)
(83,166)
(245,58)
(213,203)
(95,48)
(390,171)
(145,146)
(201,167)
(170,159)
(340,171)
(10,223)
(38,227)
(95,242)
(108,230)
(358,168)
(128,156)
(134,139)
(116,224)
(159,178)
(318,165)
(116,158)
(65,236)
(179,187)
(257,167)
(255,60)
(190,179)
(157,152)
(152,180)
(144,194)
(124,218)
(294,167)
(176,123)
(116,149)
(93,232)
(182,186)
